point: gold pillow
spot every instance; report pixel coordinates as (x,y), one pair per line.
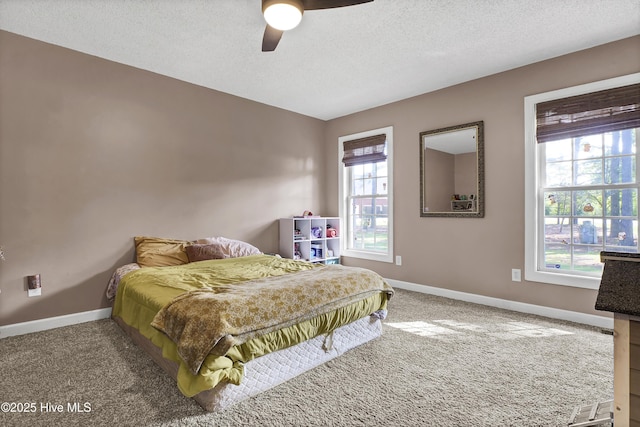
(159,252)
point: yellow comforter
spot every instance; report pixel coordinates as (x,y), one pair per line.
(143,293)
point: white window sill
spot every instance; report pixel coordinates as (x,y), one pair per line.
(584,282)
(371,256)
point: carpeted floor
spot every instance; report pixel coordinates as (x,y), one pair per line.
(439,363)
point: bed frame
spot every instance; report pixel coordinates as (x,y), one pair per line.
(271,369)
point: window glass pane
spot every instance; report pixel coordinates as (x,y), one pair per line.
(358,187)
(621,142)
(382,209)
(620,170)
(588,147)
(357,171)
(557,231)
(377,242)
(356,206)
(558,174)
(588,172)
(622,202)
(367,208)
(557,256)
(558,150)
(588,202)
(358,223)
(381,169)
(622,235)
(557,203)
(375,237)
(381,185)
(587,231)
(358,232)
(368,223)
(370,186)
(586,259)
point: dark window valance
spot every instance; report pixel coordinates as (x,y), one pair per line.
(591,113)
(365,150)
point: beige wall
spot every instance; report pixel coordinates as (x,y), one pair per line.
(470,254)
(466,174)
(93,153)
(439,176)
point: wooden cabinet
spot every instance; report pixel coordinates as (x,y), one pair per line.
(313,239)
(626,376)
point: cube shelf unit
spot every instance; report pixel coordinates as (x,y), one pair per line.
(463,205)
(306,238)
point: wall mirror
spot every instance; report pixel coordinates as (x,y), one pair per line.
(452,171)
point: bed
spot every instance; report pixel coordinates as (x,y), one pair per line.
(228,324)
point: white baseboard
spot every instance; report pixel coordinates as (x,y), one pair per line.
(53,322)
(554,313)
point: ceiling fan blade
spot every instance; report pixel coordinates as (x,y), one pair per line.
(329,4)
(271,39)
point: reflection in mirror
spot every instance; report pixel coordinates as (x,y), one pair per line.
(452,171)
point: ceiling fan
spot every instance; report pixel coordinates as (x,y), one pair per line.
(283,15)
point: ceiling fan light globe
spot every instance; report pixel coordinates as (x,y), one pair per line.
(283,15)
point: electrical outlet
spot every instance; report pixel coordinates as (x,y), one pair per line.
(516,275)
(398,260)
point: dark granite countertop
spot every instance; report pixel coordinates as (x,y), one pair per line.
(620,285)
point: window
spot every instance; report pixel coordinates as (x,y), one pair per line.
(581,179)
(366,194)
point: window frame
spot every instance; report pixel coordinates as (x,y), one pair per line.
(344,188)
(534,221)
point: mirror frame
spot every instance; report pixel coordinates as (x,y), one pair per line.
(479,213)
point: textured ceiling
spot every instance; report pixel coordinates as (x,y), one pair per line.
(337,61)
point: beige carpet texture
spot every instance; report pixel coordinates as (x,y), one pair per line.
(439,362)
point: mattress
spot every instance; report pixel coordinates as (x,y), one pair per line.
(272,369)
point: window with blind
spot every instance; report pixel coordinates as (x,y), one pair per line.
(582,180)
(366,194)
